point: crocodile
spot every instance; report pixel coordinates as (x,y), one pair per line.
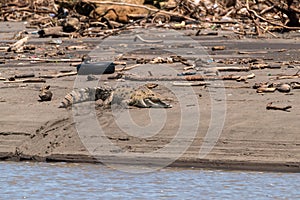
(125,96)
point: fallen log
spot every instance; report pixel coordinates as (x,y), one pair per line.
(190,83)
(246,77)
(295,76)
(233,68)
(265,66)
(56,31)
(59,75)
(29,75)
(47,60)
(152,78)
(187,78)
(35,80)
(270,106)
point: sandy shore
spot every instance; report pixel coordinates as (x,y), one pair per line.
(252,138)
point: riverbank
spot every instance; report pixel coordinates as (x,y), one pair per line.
(252,138)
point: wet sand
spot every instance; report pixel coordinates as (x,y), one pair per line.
(253,138)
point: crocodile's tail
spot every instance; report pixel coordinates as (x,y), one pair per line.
(77,96)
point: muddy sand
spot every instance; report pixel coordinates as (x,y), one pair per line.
(251,138)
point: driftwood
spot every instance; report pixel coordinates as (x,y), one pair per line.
(78,47)
(289,11)
(190,83)
(215,48)
(33,80)
(254,13)
(270,106)
(265,89)
(59,75)
(295,85)
(264,16)
(47,60)
(295,76)
(4,48)
(153,10)
(153,78)
(252,52)
(29,75)
(184,78)
(245,77)
(265,66)
(127,68)
(17,46)
(288,77)
(53,32)
(232,68)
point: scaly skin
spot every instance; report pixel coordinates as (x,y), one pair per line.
(141,96)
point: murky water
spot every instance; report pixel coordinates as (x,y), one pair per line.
(87,181)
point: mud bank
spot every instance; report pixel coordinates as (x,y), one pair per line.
(252,138)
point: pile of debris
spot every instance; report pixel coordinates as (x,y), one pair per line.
(94,18)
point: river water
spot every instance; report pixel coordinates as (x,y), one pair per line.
(29,180)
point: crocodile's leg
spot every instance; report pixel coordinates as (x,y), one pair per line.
(157,103)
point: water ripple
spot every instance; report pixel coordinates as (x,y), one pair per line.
(86,181)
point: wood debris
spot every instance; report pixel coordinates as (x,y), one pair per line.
(216,48)
(187,78)
(270,106)
(58,75)
(66,18)
(29,80)
(18,46)
(177,83)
